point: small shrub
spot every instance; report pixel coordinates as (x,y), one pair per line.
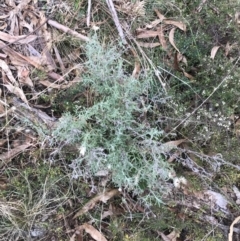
(114,135)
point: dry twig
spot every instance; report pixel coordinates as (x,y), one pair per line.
(116,20)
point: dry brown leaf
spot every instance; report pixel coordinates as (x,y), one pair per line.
(164,237)
(27,81)
(189,76)
(153,24)
(168,146)
(133,8)
(160,16)
(199,8)
(73,237)
(3,184)
(4,16)
(14,23)
(12,54)
(106,214)
(5,113)
(236,220)
(176,63)
(2,109)
(171,38)
(22,39)
(7,156)
(184,60)
(7,71)
(3,104)
(95,234)
(33,51)
(147,34)
(217,198)
(227,48)
(181,58)
(237,193)
(3,56)
(78,236)
(174,156)
(178,24)
(57,77)
(161,38)
(137,65)
(170,237)
(22,5)
(24,24)
(59,59)
(104,197)
(214,51)
(23,76)
(3,25)
(237,17)
(148,45)
(47,43)
(21,59)
(17,91)
(137,69)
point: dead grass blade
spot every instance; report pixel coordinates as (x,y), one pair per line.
(103,197)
